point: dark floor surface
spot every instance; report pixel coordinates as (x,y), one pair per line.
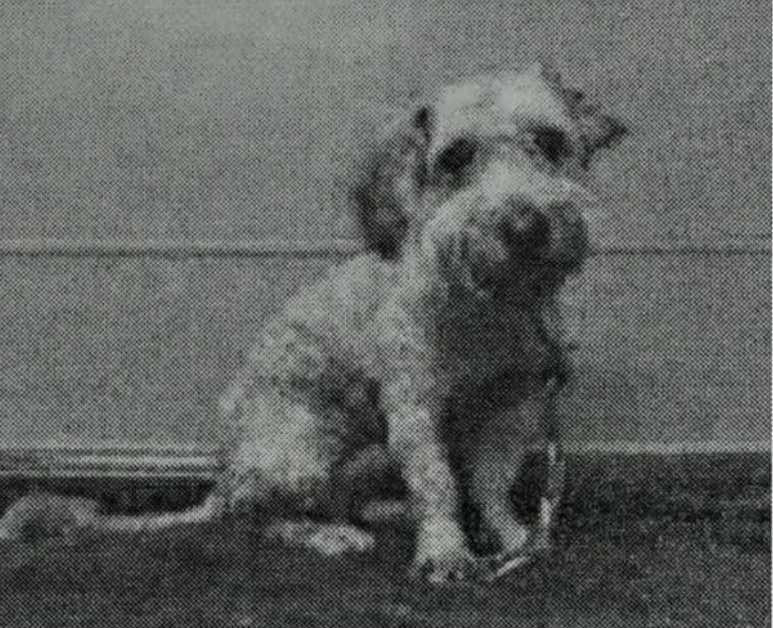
(640,542)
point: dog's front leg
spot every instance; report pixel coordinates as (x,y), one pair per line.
(496,460)
(441,554)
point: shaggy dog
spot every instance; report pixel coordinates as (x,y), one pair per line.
(441,346)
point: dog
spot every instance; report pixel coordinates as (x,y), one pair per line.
(439,349)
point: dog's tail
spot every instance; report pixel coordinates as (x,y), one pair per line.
(46,515)
(211,509)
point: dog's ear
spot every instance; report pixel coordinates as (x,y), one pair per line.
(597,130)
(393,170)
(544,69)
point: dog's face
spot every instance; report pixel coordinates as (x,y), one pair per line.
(490,175)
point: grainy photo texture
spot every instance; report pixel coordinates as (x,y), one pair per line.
(385,314)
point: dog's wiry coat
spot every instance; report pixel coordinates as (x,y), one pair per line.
(438,342)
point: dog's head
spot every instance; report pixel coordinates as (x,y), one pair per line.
(490,175)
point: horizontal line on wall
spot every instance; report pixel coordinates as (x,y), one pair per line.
(725,247)
(131,461)
(321,249)
(175,248)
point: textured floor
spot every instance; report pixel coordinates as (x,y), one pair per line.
(641,542)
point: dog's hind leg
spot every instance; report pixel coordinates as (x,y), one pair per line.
(286,463)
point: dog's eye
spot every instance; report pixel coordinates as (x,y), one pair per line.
(457,156)
(550,142)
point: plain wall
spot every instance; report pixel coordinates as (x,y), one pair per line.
(238,121)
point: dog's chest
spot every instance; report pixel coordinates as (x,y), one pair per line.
(478,341)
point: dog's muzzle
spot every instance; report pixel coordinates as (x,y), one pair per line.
(525,229)
(552,233)
(483,242)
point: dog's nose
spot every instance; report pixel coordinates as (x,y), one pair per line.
(526,228)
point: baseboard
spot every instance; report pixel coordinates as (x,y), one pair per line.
(108,460)
(623,480)
(197,463)
(670,448)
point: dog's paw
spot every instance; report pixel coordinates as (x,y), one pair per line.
(329,539)
(442,555)
(449,568)
(335,539)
